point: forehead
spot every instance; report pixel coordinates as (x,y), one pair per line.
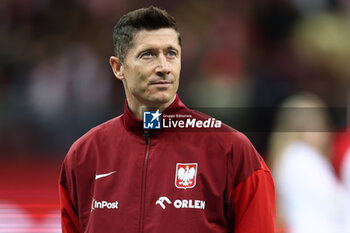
(164,37)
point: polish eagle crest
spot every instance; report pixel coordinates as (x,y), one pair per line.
(186,175)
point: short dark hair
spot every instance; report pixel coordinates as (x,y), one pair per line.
(150,18)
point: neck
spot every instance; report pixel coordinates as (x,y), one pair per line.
(137,108)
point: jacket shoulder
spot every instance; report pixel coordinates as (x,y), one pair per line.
(106,129)
(243,158)
(94,137)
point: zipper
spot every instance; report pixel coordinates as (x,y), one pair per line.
(144,175)
(146,135)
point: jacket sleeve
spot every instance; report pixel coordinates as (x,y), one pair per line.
(68,204)
(254,203)
(250,190)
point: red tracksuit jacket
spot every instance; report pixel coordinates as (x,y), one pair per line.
(113,180)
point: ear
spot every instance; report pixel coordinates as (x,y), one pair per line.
(117,67)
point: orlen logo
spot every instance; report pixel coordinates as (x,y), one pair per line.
(181,204)
(103,204)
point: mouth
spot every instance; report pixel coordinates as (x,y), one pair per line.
(161,83)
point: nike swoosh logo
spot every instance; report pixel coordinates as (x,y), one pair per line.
(104,175)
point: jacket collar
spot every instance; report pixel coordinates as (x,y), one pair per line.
(135,125)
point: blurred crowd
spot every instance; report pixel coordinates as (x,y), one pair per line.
(55,81)
(241,60)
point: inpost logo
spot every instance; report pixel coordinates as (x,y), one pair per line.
(155,120)
(103,205)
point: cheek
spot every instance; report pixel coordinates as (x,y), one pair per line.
(178,69)
(133,78)
(177,73)
(139,83)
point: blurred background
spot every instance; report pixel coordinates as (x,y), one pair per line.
(241,60)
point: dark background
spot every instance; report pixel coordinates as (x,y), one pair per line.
(56,83)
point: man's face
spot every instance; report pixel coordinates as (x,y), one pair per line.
(152,67)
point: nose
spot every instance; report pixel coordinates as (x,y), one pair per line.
(162,66)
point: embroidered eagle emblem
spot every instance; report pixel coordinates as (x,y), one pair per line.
(186,174)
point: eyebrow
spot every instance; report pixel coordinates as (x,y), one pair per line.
(172,48)
(145,50)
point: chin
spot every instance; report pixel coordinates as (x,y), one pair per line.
(162,98)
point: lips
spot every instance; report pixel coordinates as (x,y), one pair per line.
(161,83)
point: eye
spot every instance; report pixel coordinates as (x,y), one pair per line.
(147,54)
(172,53)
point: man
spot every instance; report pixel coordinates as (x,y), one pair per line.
(120,177)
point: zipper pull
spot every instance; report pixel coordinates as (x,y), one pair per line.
(146,135)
